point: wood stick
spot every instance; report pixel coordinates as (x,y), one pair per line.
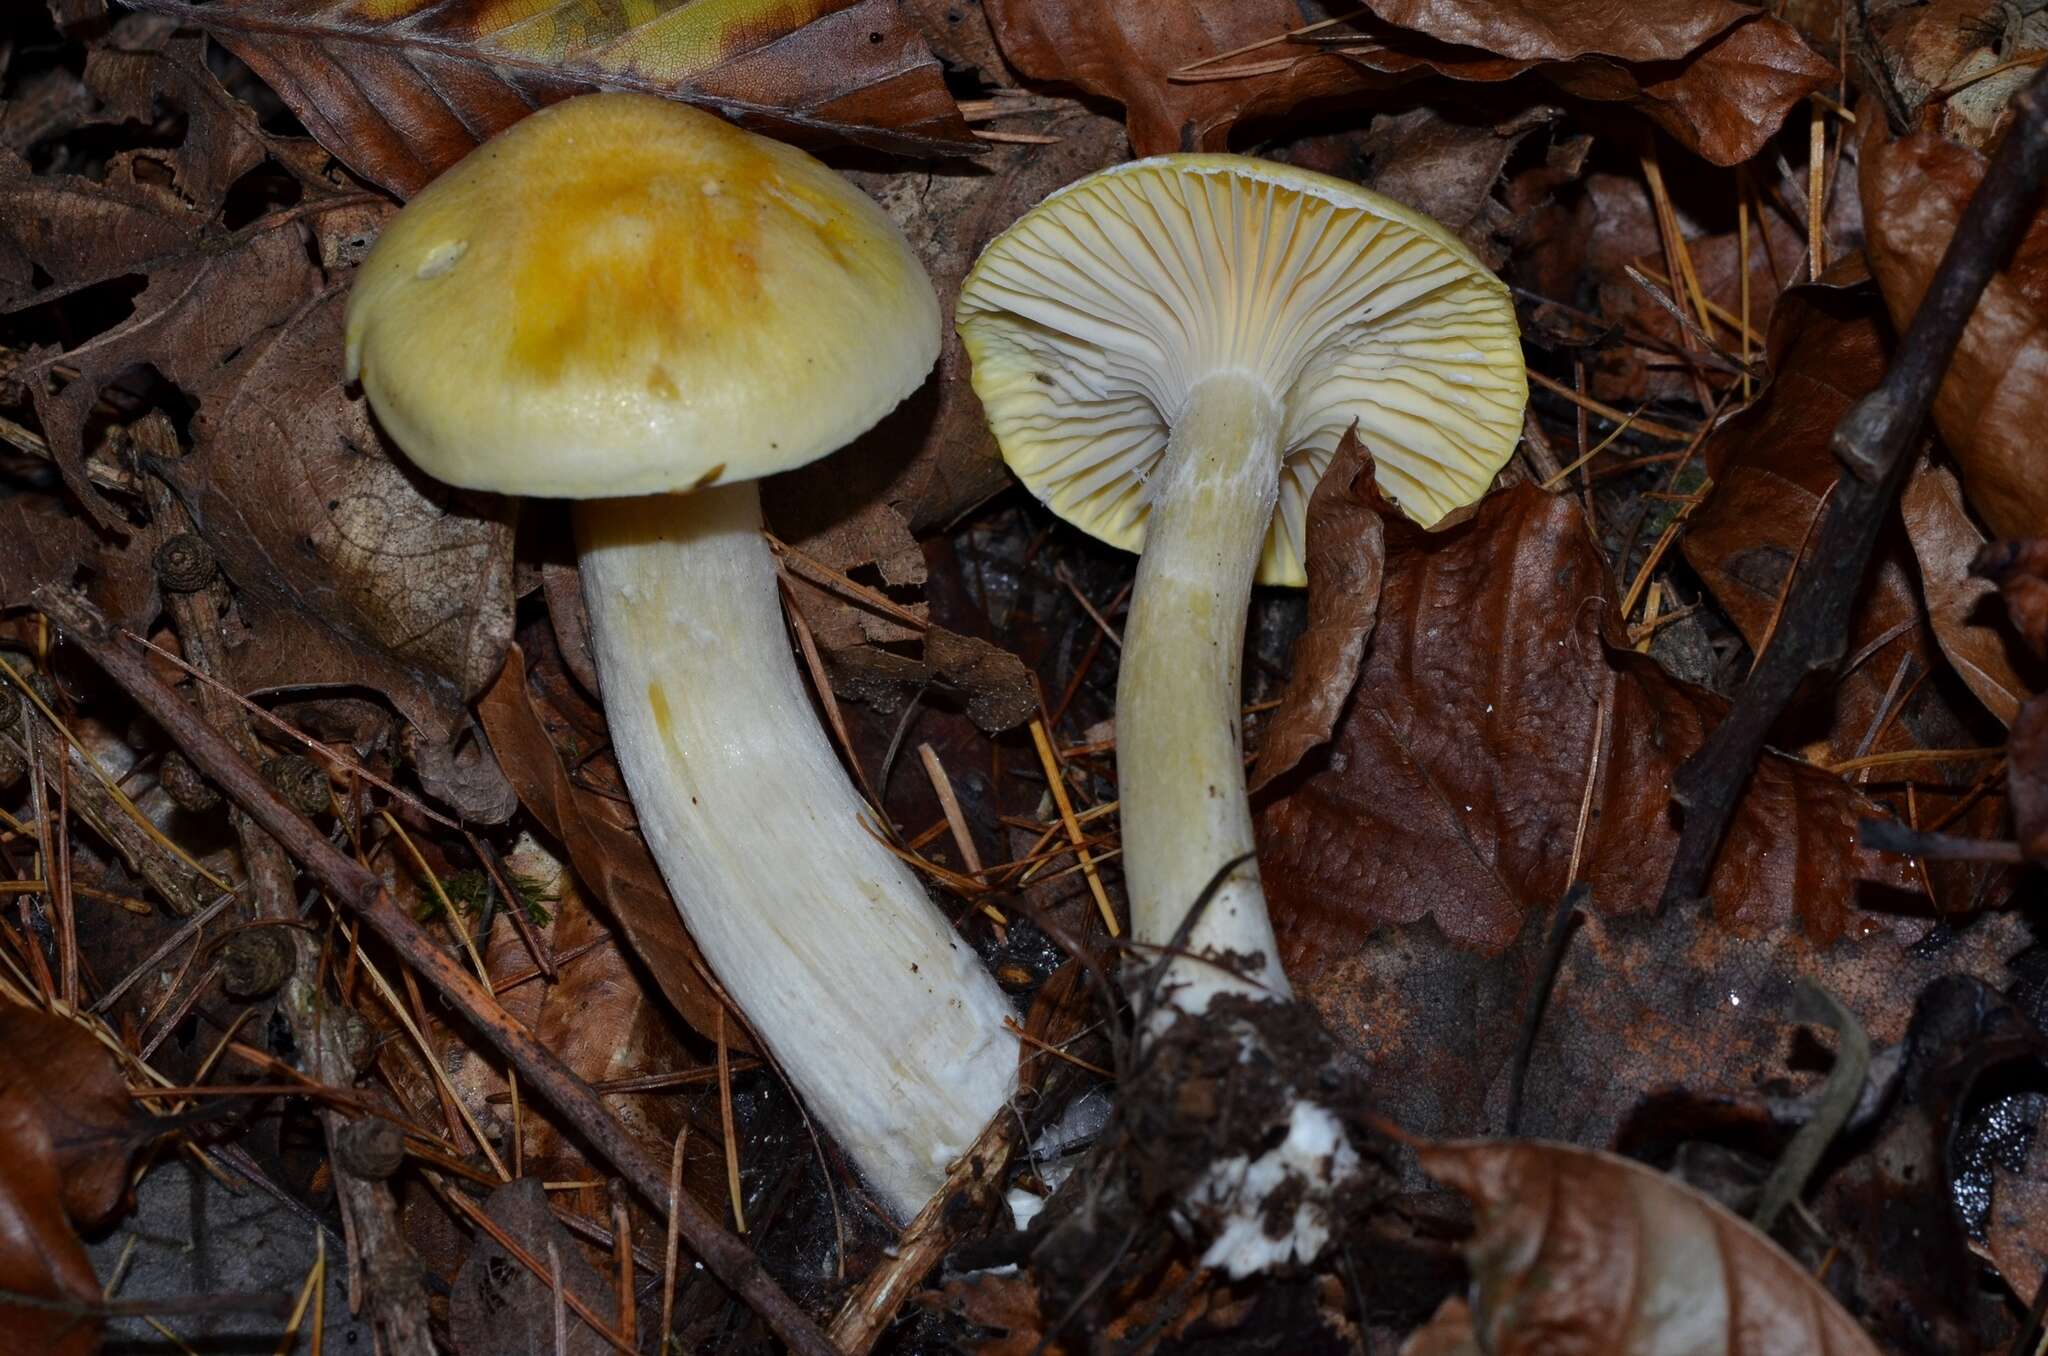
(1872,441)
(360,891)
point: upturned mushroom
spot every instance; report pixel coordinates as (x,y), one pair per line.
(629,303)
(1169,352)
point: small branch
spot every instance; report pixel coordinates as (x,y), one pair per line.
(359,890)
(1872,441)
(1889,835)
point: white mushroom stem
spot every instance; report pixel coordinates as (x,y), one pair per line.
(1180,763)
(1180,775)
(884,1021)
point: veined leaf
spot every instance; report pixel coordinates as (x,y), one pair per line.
(401,89)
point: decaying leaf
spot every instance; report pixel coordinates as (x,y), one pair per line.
(350,567)
(1773,470)
(1346,555)
(67,1132)
(1718,76)
(1578,1250)
(347,569)
(400,91)
(42,540)
(1968,619)
(1415,865)
(603,845)
(1453,789)
(1993,403)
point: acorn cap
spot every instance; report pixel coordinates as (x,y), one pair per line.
(623,295)
(1091,318)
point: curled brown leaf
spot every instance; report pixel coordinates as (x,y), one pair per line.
(1578,1250)
(1346,556)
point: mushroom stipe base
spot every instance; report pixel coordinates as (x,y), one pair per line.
(1216,1091)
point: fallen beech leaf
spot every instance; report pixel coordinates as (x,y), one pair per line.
(1940,56)
(1414,867)
(1716,75)
(1968,619)
(604,846)
(67,1132)
(402,89)
(1454,784)
(1772,469)
(1346,556)
(1721,94)
(1578,1250)
(1993,402)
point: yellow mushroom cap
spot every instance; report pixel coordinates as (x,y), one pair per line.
(622,295)
(1091,318)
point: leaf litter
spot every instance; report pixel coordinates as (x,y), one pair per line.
(1451,732)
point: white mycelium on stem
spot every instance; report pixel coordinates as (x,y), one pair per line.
(1169,352)
(623,296)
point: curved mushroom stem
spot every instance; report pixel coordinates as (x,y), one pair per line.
(884,1021)
(1180,763)
(1277,1161)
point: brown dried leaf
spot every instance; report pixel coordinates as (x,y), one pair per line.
(402,89)
(1454,785)
(1613,227)
(1414,871)
(1993,403)
(68,1130)
(1773,469)
(42,540)
(1578,1250)
(1445,164)
(350,568)
(604,846)
(347,569)
(1968,619)
(1718,76)
(1346,556)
